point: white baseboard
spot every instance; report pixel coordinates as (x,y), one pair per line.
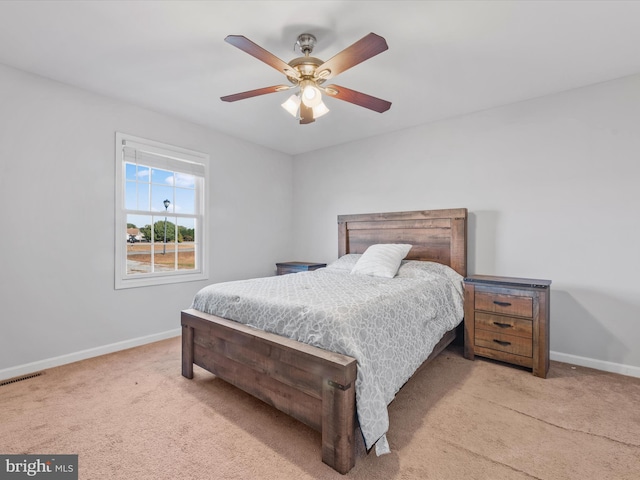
(603,365)
(33,367)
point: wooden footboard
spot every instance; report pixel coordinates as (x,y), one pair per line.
(312,385)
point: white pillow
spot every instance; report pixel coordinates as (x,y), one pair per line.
(382,260)
(345,262)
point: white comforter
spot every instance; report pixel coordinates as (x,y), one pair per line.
(390,326)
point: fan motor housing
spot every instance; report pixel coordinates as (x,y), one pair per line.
(306,66)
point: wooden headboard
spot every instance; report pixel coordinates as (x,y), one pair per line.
(436,235)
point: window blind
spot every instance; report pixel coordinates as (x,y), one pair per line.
(178,161)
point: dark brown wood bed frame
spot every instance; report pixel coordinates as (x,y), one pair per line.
(313,385)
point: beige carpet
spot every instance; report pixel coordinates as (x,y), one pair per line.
(131,415)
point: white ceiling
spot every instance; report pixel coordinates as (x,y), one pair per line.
(445,58)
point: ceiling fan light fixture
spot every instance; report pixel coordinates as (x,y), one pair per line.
(292,104)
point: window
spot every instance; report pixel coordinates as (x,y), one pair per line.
(160,213)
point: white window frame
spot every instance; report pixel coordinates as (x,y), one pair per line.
(168,153)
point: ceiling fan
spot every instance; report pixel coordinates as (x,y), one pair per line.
(309,74)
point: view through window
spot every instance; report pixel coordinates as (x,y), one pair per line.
(161,216)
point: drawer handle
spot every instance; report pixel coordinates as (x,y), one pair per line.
(504,344)
(502,304)
(503,325)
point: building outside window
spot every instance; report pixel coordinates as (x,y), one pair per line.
(160,213)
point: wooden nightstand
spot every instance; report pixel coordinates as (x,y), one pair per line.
(295,267)
(507,319)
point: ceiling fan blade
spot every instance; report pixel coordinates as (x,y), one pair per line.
(246,45)
(254,93)
(306,114)
(358,98)
(365,48)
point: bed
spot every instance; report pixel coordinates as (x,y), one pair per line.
(312,384)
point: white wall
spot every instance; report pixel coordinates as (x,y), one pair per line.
(57,164)
(551,186)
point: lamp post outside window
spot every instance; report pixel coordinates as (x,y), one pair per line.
(166,207)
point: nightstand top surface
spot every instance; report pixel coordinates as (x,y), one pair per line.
(514,281)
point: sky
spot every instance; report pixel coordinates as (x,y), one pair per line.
(146,190)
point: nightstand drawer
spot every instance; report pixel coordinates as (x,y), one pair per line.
(284,268)
(504,325)
(505,304)
(504,343)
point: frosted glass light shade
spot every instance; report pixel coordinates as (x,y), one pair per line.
(291,105)
(320,110)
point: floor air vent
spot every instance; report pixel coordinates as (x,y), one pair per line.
(19,379)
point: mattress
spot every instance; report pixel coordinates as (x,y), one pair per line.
(389,325)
